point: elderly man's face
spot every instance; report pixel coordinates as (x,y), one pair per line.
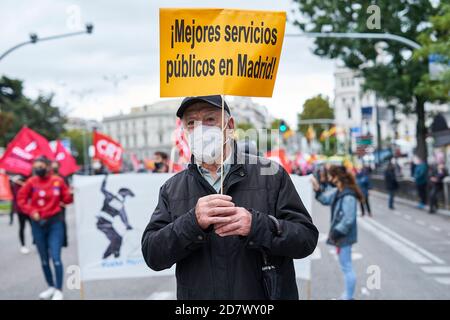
(203,113)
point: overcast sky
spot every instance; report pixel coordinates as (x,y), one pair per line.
(125,43)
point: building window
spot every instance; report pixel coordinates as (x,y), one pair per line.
(349,113)
(160,134)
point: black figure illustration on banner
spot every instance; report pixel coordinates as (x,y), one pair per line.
(113,206)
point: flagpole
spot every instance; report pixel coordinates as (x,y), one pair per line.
(223,142)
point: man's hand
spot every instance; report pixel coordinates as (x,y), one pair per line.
(35,216)
(239,226)
(213,209)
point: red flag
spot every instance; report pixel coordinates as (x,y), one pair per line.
(5,188)
(279,155)
(26,146)
(108,151)
(67,163)
(181,143)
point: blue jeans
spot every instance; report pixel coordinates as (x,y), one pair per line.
(49,240)
(345,260)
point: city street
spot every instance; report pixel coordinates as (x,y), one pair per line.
(407,249)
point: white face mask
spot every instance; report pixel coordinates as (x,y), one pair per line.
(205,143)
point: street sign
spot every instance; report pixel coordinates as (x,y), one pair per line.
(366,140)
(366,112)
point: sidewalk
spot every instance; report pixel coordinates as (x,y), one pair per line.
(407,202)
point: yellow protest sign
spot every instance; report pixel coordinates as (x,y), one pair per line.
(219,51)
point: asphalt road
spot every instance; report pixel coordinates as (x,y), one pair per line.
(401,254)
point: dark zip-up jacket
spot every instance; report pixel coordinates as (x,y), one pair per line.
(212,267)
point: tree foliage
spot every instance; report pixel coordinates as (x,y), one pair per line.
(396,77)
(17,110)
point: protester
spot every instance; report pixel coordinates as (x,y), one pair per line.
(437,177)
(363,180)
(421,180)
(17,182)
(221,242)
(40,198)
(343,229)
(390,179)
(161,162)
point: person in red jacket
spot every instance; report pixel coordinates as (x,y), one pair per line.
(40,198)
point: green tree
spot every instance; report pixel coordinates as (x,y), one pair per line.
(398,75)
(77,137)
(436,40)
(317,107)
(17,110)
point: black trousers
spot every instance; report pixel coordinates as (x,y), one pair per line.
(434,196)
(366,205)
(422,192)
(23,218)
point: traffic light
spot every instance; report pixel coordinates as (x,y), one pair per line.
(283,126)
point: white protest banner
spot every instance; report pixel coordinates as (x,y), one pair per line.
(104,209)
(112,214)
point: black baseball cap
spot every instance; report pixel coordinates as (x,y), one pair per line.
(215,101)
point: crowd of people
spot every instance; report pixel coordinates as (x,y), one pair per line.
(39,200)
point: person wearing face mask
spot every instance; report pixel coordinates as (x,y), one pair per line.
(223,239)
(161,159)
(40,198)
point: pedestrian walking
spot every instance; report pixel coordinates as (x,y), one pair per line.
(236,245)
(40,198)
(436,179)
(17,182)
(421,180)
(364,184)
(343,200)
(391,183)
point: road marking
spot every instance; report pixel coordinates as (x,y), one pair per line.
(407,217)
(397,213)
(435,228)
(420,222)
(436,269)
(406,251)
(443,280)
(317,254)
(355,255)
(161,295)
(323,237)
(409,243)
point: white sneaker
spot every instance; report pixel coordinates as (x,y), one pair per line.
(24,250)
(58,295)
(47,294)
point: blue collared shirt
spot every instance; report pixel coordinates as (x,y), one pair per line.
(215,182)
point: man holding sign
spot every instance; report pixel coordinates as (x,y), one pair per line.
(231,222)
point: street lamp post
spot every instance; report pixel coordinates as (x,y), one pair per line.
(34,39)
